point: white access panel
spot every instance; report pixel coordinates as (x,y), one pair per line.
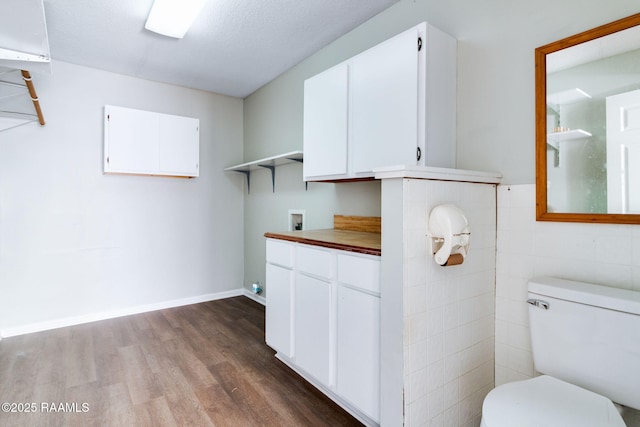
(325,123)
(179,145)
(149,143)
(384,104)
(131,140)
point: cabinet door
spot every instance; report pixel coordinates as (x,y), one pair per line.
(278,325)
(325,123)
(179,145)
(312,331)
(131,140)
(384,104)
(358,359)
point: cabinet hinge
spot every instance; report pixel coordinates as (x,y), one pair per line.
(419,44)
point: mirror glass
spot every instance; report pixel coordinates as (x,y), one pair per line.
(588,125)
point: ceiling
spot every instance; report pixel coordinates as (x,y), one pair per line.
(233,48)
(593,50)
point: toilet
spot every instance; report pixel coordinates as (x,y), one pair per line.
(585,341)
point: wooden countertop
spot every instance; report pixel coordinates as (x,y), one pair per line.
(346,240)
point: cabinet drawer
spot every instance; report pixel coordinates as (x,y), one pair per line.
(317,262)
(279,252)
(361,272)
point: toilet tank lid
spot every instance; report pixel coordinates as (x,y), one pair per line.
(587,293)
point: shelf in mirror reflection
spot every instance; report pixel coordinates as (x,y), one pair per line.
(553,139)
(582,181)
(567,96)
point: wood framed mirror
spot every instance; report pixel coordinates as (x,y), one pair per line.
(588,126)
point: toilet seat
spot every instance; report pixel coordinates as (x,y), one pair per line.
(545,401)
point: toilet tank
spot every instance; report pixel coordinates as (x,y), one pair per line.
(587,335)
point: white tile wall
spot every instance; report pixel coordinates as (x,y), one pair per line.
(596,253)
(448,311)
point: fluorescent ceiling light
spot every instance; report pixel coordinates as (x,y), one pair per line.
(173,18)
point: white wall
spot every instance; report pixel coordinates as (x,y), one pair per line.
(266,210)
(496,41)
(496,132)
(76,244)
(606,254)
(443,316)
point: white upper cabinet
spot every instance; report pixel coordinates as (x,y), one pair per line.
(394,104)
(384,107)
(148,143)
(325,122)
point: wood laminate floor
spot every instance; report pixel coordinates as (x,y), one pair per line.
(198,365)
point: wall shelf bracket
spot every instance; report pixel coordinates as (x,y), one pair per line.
(301,160)
(267,163)
(272,168)
(248,175)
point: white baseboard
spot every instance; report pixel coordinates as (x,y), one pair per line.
(93,317)
(257,298)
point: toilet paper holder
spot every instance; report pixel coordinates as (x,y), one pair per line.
(449,234)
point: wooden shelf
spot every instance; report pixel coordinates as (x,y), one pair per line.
(267,163)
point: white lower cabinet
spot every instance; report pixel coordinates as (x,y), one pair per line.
(328,327)
(278,315)
(279,310)
(312,332)
(358,361)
